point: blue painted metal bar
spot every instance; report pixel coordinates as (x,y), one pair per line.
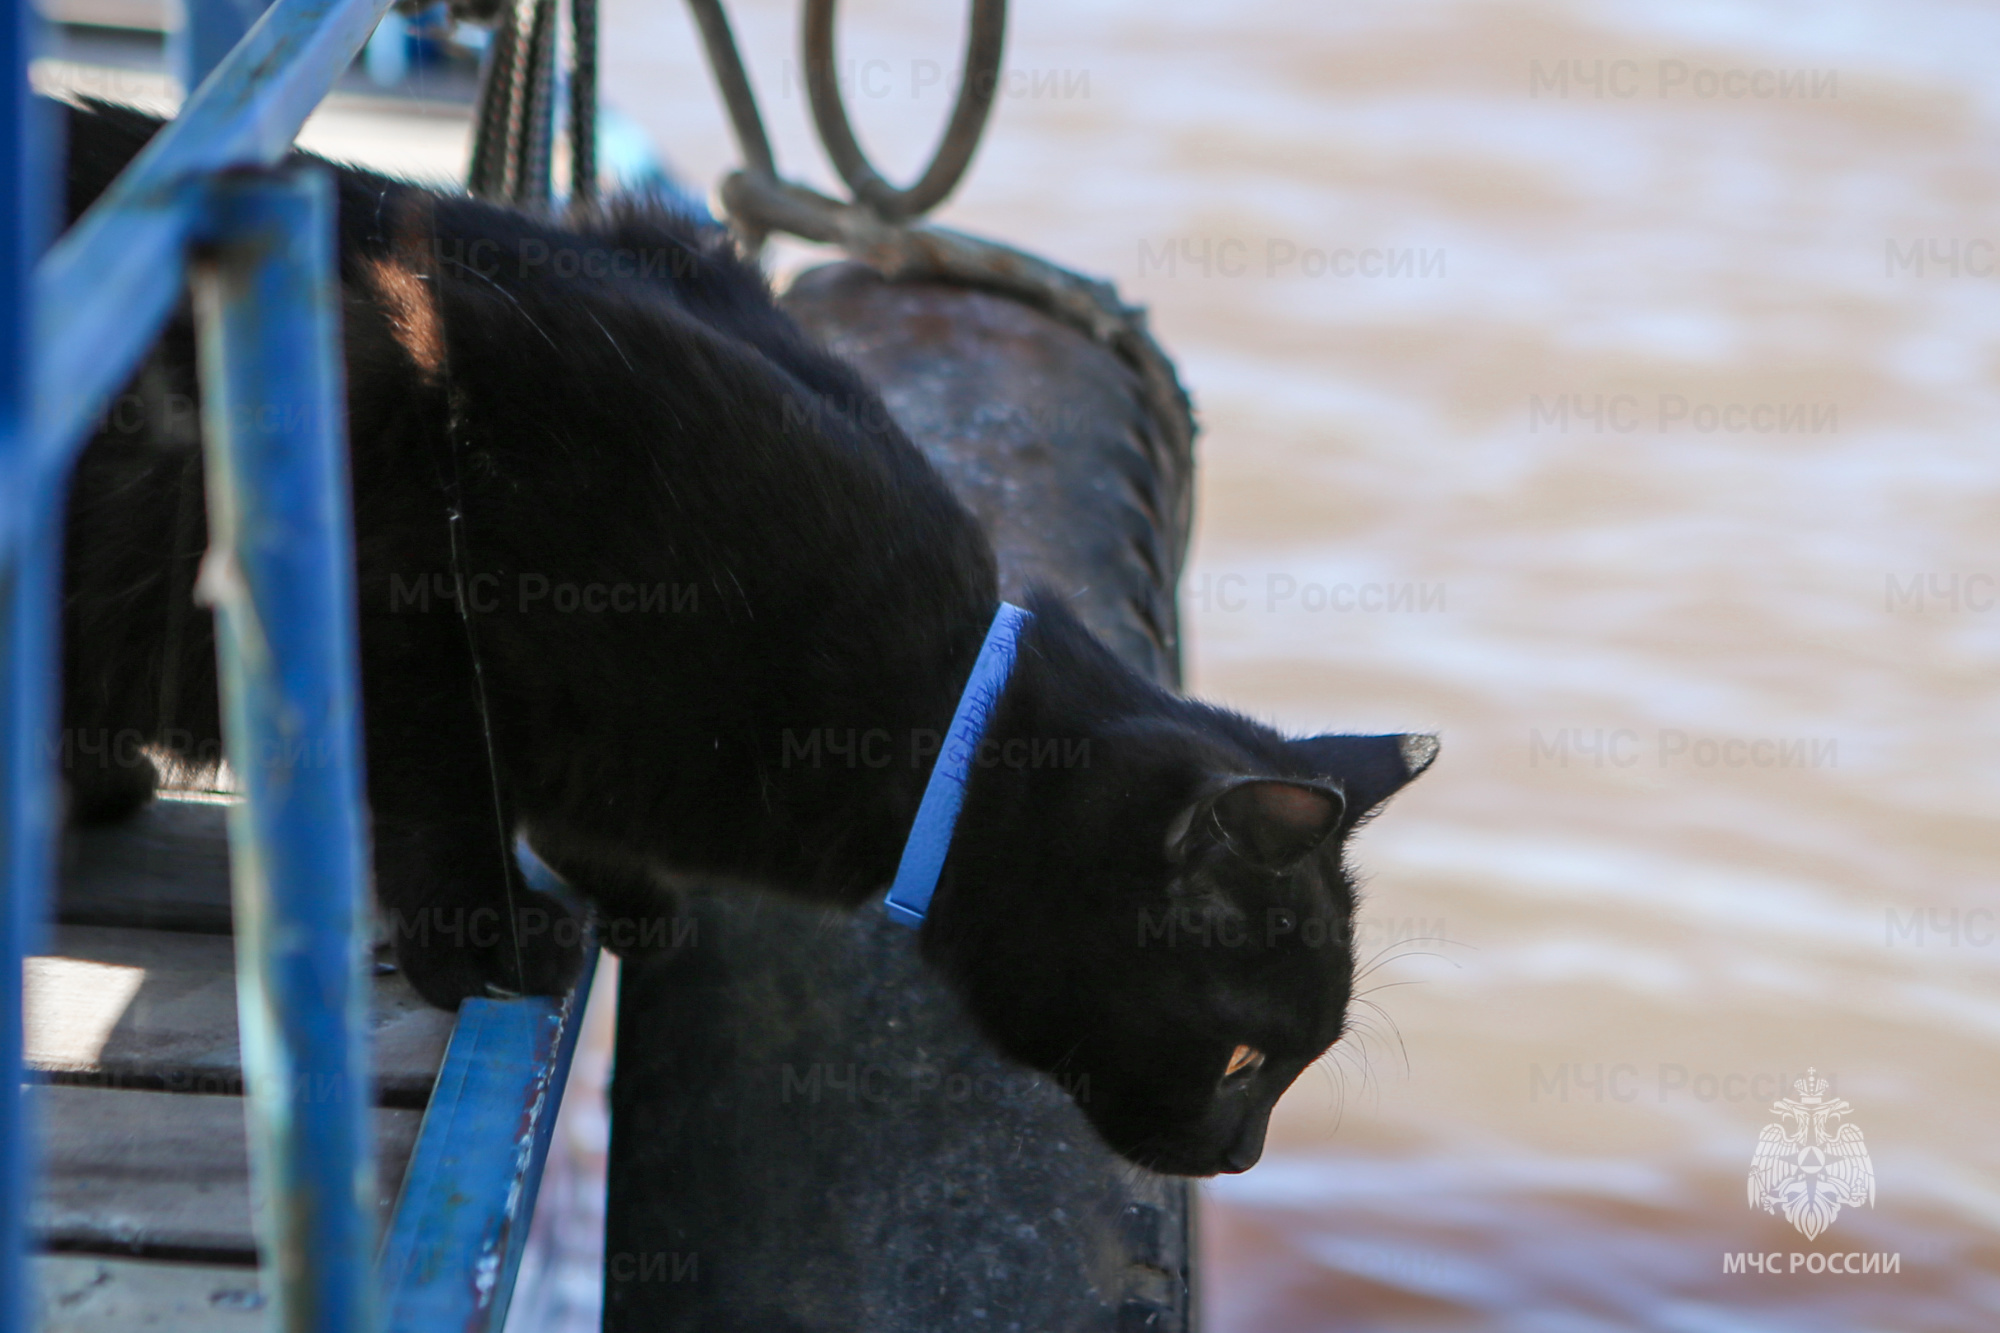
(210,30)
(29,596)
(27,643)
(103,291)
(451,1255)
(280,574)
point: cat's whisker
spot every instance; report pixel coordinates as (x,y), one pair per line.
(1399,943)
(1335,1073)
(1339,1093)
(1356,1054)
(1394,1027)
(1371,971)
(1360,1054)
(1361,1029)
(1365,1026)
(1330,1064)
(1378,961)
(1388,985)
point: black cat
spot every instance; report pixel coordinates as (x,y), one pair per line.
(674,596)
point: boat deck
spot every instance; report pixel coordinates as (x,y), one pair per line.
(143,1211)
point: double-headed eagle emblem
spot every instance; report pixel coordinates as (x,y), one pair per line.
(1807,1165)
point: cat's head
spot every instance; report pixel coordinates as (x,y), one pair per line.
(1159,917)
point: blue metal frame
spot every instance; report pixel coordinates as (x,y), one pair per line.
(280,574)
(468,1197)
(203,201)
(209,32)
(105,288)
(470,1191)
(27,653)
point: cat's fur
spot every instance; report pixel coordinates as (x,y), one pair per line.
(1139,884)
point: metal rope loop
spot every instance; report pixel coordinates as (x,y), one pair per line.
(976,90)
(734,85)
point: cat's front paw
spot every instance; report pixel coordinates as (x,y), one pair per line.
(110,793)
(452,953)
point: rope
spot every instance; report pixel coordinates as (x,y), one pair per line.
(583,100)
(492,134)
(513,142)
(980,81)
(512,145)
(735,86)
(878,226)
(535,125)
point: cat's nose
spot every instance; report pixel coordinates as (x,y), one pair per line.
(1243,1156)
(1249,1146)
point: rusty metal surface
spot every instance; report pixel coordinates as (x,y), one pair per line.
(1042,432)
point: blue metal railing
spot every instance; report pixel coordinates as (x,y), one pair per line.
(208,203)
(103,291)
(280,574)
(209,31)
(27,666)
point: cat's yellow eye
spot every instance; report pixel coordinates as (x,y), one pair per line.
(1245,1060)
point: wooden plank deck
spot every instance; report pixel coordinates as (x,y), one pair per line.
(156,1010)
(165,1175)
(143,1212)
(90,1294)
(166,868)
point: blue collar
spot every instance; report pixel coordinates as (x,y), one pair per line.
(937,813)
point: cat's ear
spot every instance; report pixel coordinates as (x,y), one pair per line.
(1369,769)
(1273,823)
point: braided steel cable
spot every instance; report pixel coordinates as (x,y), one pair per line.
(534,126)
(513,143)
(492,133)
(583,100)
